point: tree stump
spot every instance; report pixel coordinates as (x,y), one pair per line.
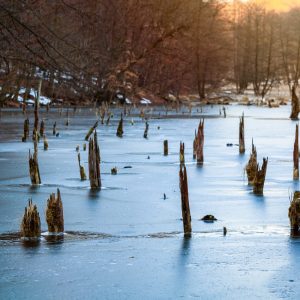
(195,146)
(185,206)
(94,163)
(34,167)
(296,154)
(55,214)
(81,169)
(91,131)
(31,223)
(54,128)
(295,105)
(252,166)
(146,130)
(26,130)
(181,153)
(259,180)
(200,143)
(42,128)
(120,128)
(294,214)
(45,143)
(242,136)
(166,147)
(108,119)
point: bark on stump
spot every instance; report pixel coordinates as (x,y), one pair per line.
(26,130)
(34,167)
(200,143)
(81,169)
(242,136)
(31,223)
(42,128)
(181,153)
(295,105)
(185,206)
(294,214)
(166,147)
(45,143)
(55,214)
(252,165)
(120,128)
(94,163)
(146,130)
(54,128)
(91,131)
(259,180)
(296,154)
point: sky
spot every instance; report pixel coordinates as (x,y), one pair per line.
(281,5)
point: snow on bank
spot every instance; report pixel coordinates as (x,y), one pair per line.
(145,101)
(32,94)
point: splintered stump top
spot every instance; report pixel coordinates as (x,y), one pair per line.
(31,223)
(55,214)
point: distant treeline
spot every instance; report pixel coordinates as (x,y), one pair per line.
(93,48)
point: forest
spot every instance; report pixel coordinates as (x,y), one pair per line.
(93,49)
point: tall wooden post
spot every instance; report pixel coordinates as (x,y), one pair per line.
(242,136)
(200,143)
(185,206)
(120,128)
(94,163)
(296,154)
(166,147)
(295,105)
(146,130)
(181,153)
(34,167)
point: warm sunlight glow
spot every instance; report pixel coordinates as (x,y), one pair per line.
(280,5)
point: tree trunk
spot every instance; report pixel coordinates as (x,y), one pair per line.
(55,214)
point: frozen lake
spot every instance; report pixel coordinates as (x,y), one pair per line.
(126,241)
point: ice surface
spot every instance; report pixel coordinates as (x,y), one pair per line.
(126,241)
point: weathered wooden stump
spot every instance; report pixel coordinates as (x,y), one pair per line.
(296,154)
(224,111)
(84,147)
(295,105)
(114,171)
(181,153)
(91,131)
(67,121)
(54,128)
(102,114)
(34,167)
(146,130)
(294,214)
(94,163)
(252,165)
(45,143)
(259,180)
(55,213)
(26,130)
(200,143)
(31,223)
(242,136)
(195,145)
(108,118)
(185,206)
(166,147)
(81,169)
(120,128)
(42,128)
